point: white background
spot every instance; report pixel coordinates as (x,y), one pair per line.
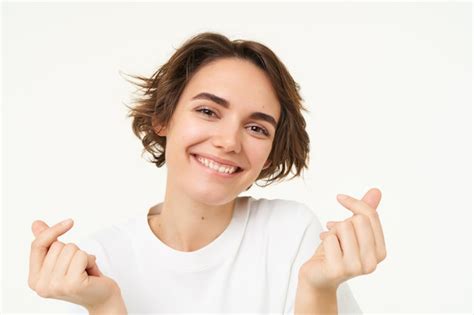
(389,90)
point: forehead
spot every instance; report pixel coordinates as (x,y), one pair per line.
(242,83)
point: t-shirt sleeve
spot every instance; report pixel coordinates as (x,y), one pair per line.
(346,302)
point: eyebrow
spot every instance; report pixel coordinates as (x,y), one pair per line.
(220,101)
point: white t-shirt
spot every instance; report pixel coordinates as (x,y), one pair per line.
(251,267)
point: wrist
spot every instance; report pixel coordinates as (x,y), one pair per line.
(310,300)
(327,291)
(321,290)
(114,305)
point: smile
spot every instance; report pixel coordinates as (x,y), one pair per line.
(216,168)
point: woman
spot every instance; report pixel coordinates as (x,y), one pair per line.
(222,114)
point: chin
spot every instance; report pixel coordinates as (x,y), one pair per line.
(210,196)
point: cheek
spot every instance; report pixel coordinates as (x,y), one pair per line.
(194,126)
(189,131)
(258,152)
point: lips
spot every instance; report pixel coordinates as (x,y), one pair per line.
(219,161)
(195,156)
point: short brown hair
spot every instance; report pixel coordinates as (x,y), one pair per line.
(160,94)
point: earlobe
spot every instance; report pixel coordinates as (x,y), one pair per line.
(267,164)
(160,131)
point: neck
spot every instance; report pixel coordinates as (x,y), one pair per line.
(188,225)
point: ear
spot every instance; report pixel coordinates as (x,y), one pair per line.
(267,164)
(159,130)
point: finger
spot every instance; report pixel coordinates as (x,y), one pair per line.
(349,244)
(333,251)
(35,261)
(366,240)
(354,205)
(64,259)
(360,207)
(365,237)
(331,230)
(323,235)
(372,197)
(47,268)
(330,224)
(45,235)
(44,239)
(378,237)
(81,264)
(38,226)
(93,270)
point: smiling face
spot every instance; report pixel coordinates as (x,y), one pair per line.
(225,111)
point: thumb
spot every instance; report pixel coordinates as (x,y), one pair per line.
(38,226)
(372,197)
(92,267)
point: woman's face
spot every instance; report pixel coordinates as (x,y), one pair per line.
(236,132)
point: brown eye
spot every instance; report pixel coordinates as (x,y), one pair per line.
(262,130)
(206,112)
(209,113)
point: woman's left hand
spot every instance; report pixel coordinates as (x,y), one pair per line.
(350,248)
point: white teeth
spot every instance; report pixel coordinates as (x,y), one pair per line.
(217,167)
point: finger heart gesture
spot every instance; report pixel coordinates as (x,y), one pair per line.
(350,248)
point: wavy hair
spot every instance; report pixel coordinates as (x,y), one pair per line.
(160,93)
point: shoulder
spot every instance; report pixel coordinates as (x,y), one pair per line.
(110,244)
(117,234)
(111,238)
(283,221)
(282,210)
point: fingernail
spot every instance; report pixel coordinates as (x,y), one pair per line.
(66,222)
(342,196)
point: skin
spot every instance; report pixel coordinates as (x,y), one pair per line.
(350,248)
(64,272)
(198,206)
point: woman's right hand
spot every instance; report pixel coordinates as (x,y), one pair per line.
(64,272)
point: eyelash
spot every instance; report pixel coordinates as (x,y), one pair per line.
(201,110)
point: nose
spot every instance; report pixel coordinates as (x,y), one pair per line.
(228,138)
